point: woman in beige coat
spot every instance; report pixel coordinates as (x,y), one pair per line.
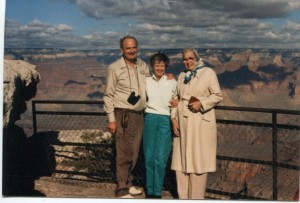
(194,125)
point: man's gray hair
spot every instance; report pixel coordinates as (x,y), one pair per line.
(128,37)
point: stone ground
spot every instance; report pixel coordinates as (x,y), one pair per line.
(57,189)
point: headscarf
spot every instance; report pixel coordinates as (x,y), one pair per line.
(190,74)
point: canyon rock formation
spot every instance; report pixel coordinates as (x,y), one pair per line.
(19,85)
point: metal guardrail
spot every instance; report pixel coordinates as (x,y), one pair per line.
(274,125)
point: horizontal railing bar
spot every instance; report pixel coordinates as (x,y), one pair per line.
(67,102)
(288,166)
(70,113)
(228,158)
(287,126)
(231,108)
(249,123)
(259,110)
(237,122)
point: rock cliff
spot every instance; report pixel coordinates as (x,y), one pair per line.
(20,85)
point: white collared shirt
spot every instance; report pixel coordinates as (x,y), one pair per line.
(159,93)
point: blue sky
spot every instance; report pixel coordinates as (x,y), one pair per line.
(159,24)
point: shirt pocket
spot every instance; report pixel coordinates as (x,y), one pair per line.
(124,79)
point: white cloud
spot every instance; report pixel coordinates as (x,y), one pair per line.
(64,27)
(154,27)
(213,23)
(271,35)
(292,26)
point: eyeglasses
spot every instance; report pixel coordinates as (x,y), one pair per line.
(190,58)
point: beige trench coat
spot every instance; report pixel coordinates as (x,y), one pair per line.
(195,150)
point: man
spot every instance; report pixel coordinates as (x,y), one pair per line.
(124,103)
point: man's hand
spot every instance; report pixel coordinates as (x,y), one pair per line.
(111,127)
(176,128)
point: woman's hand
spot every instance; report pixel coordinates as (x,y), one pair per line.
(170,76)
(176,128)
(195,106)
(174,103)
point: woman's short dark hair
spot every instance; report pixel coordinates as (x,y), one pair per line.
(159,57)
(128,37)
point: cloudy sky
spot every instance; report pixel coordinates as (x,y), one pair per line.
(159,24)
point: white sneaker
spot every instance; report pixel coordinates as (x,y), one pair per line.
(128,196)
(135,191)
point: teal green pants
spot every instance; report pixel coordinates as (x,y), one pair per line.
(157,141)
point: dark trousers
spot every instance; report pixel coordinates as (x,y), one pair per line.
(127,140)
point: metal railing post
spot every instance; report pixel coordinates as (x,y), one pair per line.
(274,154)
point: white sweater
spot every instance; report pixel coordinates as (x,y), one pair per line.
(159,94)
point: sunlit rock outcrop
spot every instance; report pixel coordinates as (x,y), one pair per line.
(19,85)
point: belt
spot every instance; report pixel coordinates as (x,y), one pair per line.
(129,110)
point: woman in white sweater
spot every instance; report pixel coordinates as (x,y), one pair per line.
(157,134)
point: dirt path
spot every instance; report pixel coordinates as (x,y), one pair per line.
(57,189)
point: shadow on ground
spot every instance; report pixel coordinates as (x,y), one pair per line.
(24,161)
